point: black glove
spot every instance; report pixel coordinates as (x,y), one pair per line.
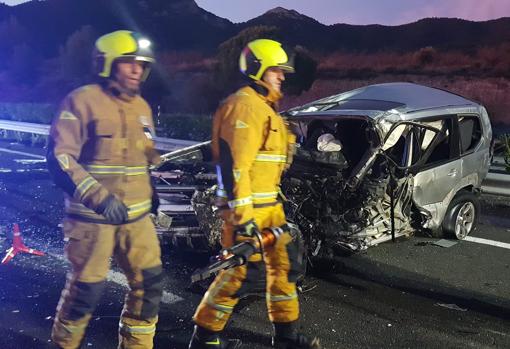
(113,210)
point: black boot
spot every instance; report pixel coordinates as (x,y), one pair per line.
(205,339)
(300,341)
(287,337)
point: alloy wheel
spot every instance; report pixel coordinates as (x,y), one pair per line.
(465,220)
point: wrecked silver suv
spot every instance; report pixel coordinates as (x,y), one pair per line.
(372,165)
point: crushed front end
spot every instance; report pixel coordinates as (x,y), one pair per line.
(342,199)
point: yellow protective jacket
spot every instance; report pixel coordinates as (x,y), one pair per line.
(250,144)
(100,144)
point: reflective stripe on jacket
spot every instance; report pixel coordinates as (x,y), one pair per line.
(250,142)
(100,144)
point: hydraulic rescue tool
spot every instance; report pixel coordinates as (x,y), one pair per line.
(238,254)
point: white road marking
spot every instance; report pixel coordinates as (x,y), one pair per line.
(487,242)
(29,161)
(21,153)
(498,332)
(120,279)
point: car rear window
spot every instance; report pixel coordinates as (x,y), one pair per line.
(470,133)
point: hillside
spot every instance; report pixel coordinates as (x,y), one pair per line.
(176,24)
(183,25)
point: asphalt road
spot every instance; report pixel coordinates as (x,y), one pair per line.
(409,294)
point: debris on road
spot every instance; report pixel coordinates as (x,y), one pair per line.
(451,306)
(424,243)
(441,243)
(445,243)
(303,288)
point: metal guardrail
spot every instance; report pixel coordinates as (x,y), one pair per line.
(497,181)
(27,127)
(164,144)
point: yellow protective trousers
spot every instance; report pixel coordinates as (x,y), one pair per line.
(281,267)
(89,246)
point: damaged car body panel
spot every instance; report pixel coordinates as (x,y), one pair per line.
(183,178)
(374,164)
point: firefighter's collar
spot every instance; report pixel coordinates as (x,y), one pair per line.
(266,91)
(118,91)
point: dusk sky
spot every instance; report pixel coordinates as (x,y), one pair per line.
(389,12)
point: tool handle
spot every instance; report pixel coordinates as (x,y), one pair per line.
(238,254)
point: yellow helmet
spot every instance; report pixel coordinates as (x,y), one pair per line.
(121,44)
(261,54)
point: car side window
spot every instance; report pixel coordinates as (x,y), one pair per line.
(399,144)
(437,147)
(470,132)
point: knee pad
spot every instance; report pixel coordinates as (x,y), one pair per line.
(84,299)
(296,253)
(153,290)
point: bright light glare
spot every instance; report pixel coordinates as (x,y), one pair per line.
(144,43)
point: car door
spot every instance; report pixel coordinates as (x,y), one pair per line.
(440,171)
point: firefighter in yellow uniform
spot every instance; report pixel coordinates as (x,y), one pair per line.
(250,145)
(99,152)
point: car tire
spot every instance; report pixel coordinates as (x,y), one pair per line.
(461,216)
